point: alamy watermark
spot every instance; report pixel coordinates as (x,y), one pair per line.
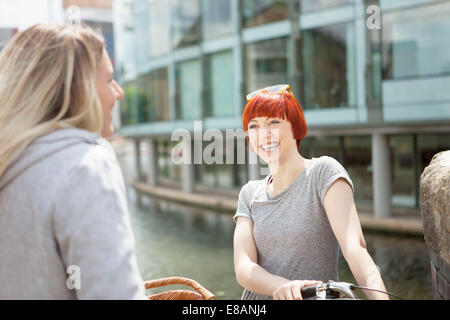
(186,153)
(373,21)
(73,15)
(223,147)
(74,279)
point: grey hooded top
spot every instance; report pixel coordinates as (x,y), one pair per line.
(65,232)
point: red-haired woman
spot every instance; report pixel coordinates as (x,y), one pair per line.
(289,226)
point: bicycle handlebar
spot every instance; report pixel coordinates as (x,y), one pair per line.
(330,290)
(335,290)
(309,292)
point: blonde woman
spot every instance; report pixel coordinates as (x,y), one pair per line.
(64,226)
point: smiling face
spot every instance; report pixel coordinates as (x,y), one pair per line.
(271,138)
(282,107)
(109,91)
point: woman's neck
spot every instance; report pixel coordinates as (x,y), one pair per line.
(285,173)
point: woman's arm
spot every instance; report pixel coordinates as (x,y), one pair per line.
(344,221)
(252,276)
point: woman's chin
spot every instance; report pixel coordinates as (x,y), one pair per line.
(271,159)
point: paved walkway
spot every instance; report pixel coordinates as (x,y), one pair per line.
(227,201)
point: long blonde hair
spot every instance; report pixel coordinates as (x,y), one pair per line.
(48,81)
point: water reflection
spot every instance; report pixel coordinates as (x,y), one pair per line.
(403,262)
(174,240)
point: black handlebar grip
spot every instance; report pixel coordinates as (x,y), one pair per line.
(308,292)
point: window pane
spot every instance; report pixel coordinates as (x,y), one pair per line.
(189,100)
(403,175)
(415,42)
(166,167)
(354,153)
(216,18)
(220,84)
(124,38)
(159,98)
(141,50)
(429,145)
(358,162)
(328,65)
(5,36)
(222,176)
(186,23)
(159,27)
(310,5)
(129,105)
(155,104)
(318,147)
(145,113)
(257,12)
(266,63)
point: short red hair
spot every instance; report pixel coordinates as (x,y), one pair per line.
(277,105)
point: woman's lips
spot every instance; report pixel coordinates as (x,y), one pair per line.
(269,147)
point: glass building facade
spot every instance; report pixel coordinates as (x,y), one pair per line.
(187,60)
(5,35)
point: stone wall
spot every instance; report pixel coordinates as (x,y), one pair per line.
(435,197)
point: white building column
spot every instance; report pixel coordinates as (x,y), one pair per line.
(188,176)
(138,167)
(153,162)
(238,45)
(381,173)
(137,158)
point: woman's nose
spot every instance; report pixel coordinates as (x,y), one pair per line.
(120,92)
(264,132)
(268,134)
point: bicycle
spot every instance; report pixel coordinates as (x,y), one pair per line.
(333,290)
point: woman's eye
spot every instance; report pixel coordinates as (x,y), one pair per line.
(274,122)
(252,127)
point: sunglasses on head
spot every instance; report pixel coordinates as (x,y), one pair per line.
(273,89)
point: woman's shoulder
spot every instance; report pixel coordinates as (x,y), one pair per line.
(330,170)
(253,186)
(73,140)
(325,163)
(326,166)
(327,160)
(73,148)
(86,162)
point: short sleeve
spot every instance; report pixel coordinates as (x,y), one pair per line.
(330,171)
(243,206)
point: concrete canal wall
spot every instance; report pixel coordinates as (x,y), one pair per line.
(406,224)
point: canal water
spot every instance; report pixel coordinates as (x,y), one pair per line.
(174,240)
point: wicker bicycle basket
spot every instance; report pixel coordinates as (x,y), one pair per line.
(201,294)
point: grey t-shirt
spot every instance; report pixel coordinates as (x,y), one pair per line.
(292,233)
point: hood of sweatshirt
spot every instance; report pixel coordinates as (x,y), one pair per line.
(44,147)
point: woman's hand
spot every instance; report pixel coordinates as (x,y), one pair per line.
(292,290)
